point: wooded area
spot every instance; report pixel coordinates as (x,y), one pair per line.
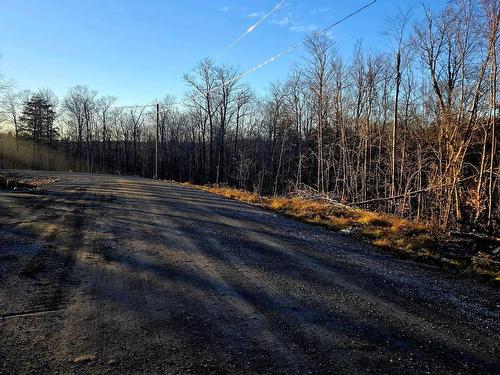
(411,131)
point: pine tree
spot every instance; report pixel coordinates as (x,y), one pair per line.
(37,120)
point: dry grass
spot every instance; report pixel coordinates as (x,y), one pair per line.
(385,230)
(411,238)
(482,264)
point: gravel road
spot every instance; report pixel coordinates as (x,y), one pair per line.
(115,275)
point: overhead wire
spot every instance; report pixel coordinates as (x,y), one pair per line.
(277,56)
(137,106)
(164,109)
(290,49)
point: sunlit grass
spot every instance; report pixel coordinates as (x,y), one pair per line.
(407,237)
(372,232)
(337,217)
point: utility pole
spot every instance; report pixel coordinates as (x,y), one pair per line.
(395,125)
(157,135)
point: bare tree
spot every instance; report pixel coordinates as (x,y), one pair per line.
(398,24)
(319,74)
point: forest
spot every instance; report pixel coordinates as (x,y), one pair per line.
(410,131)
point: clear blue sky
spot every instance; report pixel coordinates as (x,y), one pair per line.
(138,50)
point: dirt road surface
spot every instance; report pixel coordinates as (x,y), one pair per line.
(117,275)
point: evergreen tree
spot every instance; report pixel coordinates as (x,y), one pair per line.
(37,120)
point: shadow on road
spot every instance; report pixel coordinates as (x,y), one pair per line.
(148,276)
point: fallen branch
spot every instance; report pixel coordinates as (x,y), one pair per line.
(477,236)
(410,193)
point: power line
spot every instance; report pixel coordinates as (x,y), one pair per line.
(142,106)
(275,57)
(250,29)
(133,106)
(290,49)
(346,17)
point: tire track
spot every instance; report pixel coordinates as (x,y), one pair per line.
(49,269)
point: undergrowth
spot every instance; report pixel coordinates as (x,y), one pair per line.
(406,237)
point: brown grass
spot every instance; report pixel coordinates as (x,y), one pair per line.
(408,237)
(482,264)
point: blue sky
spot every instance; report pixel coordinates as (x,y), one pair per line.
(139,50)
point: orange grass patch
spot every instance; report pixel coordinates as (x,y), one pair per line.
(407,237)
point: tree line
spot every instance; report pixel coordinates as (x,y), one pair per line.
(410,131)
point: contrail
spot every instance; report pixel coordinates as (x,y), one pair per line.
(290,49)
(250,29)
(275,57)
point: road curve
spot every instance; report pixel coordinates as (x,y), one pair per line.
(107,274)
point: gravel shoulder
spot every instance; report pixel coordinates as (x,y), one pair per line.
(109,274)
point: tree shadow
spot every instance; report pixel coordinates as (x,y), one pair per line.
(206,283)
